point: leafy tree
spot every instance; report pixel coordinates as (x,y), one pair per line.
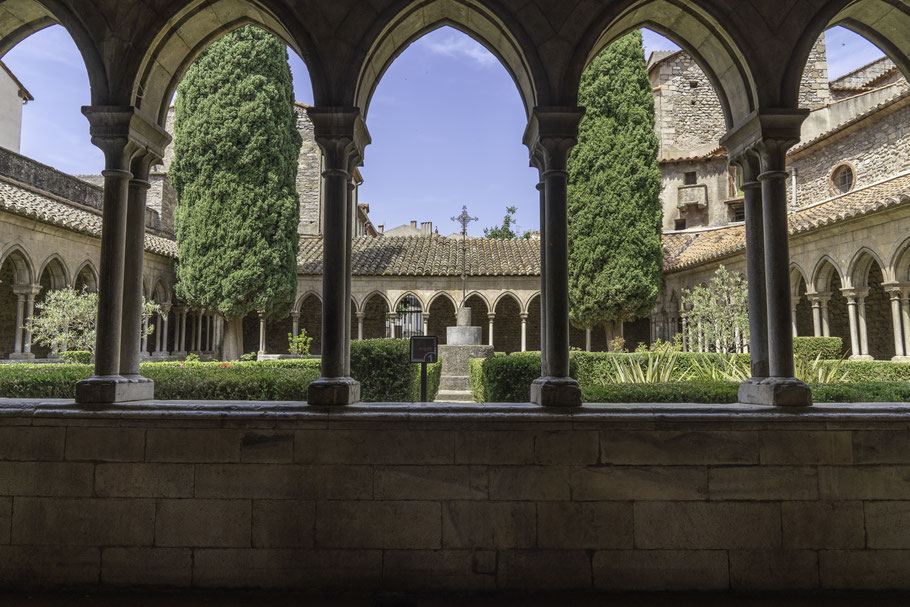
(235,166)
(718,312)
(615,214)
(66,320)
(505,230)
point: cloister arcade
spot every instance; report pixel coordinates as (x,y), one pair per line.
(753,54)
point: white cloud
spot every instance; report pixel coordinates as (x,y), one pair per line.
(458,46)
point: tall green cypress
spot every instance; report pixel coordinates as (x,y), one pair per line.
(235,166)
(615,213)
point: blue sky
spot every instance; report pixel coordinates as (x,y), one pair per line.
(446,122)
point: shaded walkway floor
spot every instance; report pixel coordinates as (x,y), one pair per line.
(245,599)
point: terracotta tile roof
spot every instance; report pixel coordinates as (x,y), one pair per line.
(684,250)
(718,152)
(57,212)
(429,256)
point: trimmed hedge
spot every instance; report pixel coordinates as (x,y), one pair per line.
(81,357)
(382,366)
(670,392)
(818,347)
(507,379)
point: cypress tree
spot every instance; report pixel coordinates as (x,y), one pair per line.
(615,213)
(235,168)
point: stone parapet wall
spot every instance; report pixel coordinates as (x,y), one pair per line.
(460,498)
(48,179)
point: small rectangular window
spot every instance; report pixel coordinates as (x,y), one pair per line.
(690,178)
(738,212)
(693,84)
(681,224)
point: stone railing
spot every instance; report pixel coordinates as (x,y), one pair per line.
(455,497)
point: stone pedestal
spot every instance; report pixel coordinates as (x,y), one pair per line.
(776,391)
(331,391)
(108,390)
(462,344)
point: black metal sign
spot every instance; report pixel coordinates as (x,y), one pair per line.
(424,349)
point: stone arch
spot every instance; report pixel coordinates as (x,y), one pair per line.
(526,305)
(480,309)
(410,20)
(86,277)
(188,33)
(884,23)
(802,312)
(825,270)
(442,311)
(899,268)
(57,273)
(533,329)
(25,17)
(693,28)
(375,309)
(160,293)
(860,265)
(23,268)
(310,308)
(305,295)
(405,295)
(370,295)
(867,274)
(507,325)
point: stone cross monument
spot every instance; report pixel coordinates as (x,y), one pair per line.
(464,219)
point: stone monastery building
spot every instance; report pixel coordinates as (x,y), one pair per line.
(848,188)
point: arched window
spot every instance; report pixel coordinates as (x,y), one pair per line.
(842,179)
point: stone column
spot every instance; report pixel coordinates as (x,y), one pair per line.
(157,335)
(295,323)
(165,311)
(684,318)
(824,298)
(341,135)
(360,316)
(391,329)
(122,134)
(905,317)
(131,343)
(816,302)
(20,320)
(350,218)
(755,267)
(262,332)
(524,331)
(551,134)
(544,368)
(197,346)
(491,317)
(855,349)
(426,324)
(587,339)
(861,295)
(183,315)
(794,301)
(25,306)
(211,326)
(894,292)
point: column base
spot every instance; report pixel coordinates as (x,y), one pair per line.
(111,389)
(21,356)
(864,357)
(555,392)
(329,391)
(179,354)
(775,391)
(143,354)
(901,359)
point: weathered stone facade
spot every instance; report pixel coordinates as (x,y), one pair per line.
(309,168)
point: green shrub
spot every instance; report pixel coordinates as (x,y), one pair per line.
(597,367)
(475,374)
(874,370)
(434,374)
(664,392)
(230,381)
(870,392)
(818,347)
(81,357)
(23,380)
(506,379)
(386,374)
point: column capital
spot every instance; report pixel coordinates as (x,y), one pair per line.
(123,133)
(341,134)
(362,315)
(551,134)
(491,316)
(295,315)
(767,132)
(26,290)
(166,307)
(895,289)
(523,316)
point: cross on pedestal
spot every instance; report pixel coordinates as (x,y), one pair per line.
(464,219)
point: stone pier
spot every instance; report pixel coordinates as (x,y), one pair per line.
(463,343)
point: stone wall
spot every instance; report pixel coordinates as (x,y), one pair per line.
(713,175)
(881,149)
(879,327)
(162,198)
(446,498)
(814,90)
(309,164)
(48,179)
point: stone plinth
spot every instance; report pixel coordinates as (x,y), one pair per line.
(455,384)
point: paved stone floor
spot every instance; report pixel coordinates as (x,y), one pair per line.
(286,600)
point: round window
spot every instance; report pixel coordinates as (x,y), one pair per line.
(842,179)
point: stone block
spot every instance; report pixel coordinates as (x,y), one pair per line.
(105,444)
(881,446)
(83,522)
(197,445)
(267,447)
(589,525)
(334,391)
(806,447)
(776,391)
(378,525)
(6,518)
(410,570)
(283,523)
(814,525)
(707,525)
(888,524)
(773,570)
(430,482)
(567,447)
(113,390)
(864,482)
(494,447)
(265,481)
(555,392)
(529,483)
(877,570)
(62,479)
(32,443)
(678,447)
(639,483)
(544,570)
(287,568)
(763,483)
(146,566)
(374,447)
(499,525)
(197,523)
(144,480)
(660,570)
(463,336)
(49,565)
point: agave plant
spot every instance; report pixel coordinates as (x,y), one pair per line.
(820,371)
(661,366)
(721,367)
